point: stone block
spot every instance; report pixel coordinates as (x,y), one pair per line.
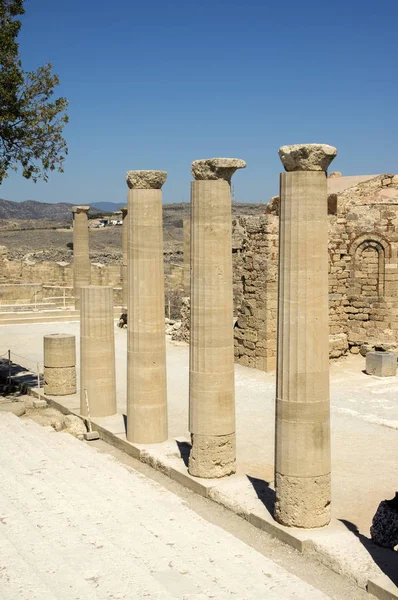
(91,436)
(381,364)
(39,404)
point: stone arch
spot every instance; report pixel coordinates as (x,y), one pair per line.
(369,253)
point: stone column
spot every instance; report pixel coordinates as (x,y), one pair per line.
(81,258)
(59,364)
(302,447)
(187,256)
(211,362)
(97,351)
(146,342)
(123,272)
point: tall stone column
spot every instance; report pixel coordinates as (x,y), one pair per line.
(211,362)
(146,342)
(186,224)
(302,447)
(123,271)
(81,257)
(97,351)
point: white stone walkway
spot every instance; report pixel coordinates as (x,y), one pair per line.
(75,524)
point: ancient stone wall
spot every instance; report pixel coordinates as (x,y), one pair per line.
(23,282)
(255,256)
(363,273)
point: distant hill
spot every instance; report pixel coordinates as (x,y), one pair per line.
(31,209)
(107,206)
(172,213)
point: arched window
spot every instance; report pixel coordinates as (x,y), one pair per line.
(369,252)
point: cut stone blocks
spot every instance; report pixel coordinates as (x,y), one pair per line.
(381,364)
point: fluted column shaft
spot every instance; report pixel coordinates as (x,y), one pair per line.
(81,257)
(211,361)
(146,345)
(302,450)
(123,271)
(97,351)
(187,256)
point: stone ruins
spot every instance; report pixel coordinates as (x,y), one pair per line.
(312,278)
(363,272)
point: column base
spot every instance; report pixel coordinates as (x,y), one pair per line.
(60,381)
(302,501)
(212,455)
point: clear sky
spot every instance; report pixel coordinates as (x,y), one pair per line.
(158,84)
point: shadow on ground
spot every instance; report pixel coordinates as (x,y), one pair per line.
(185,451)
(264,493)
(386,560)
(20,377)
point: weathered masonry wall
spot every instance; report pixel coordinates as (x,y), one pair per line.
(363,274)
(23,282)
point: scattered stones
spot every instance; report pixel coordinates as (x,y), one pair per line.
(47,417)
(75,426)
(181,334)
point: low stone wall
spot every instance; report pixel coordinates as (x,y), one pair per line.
(17,271)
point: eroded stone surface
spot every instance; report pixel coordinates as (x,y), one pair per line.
(216,168)
(305,501)
(212,456)
(307,157)
(146,180)
(74,426)
(60,381)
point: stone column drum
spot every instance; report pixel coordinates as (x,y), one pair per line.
(146,342)
(59,364)
(97,351)
(302,447)
(123,270)
(186,224)
(211,362)
(81,257)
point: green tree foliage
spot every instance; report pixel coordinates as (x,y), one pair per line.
(31,121)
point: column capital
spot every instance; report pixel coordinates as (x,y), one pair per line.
(124,210)
(216,168)
(307,157)
(80,209)
(145,180)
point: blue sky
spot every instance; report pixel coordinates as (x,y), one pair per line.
(156,85)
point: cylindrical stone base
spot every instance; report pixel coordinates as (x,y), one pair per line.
(97,351)
(59,364)
(60,381)
(305,501)
(212,455)
(211,369)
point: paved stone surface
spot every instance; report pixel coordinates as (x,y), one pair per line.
(363,428)
(75,524)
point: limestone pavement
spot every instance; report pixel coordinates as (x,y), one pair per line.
(77,525)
